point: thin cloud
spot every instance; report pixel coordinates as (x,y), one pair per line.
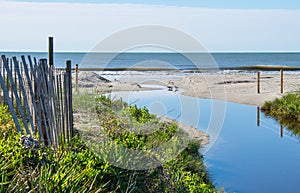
(228,4)
(79,27)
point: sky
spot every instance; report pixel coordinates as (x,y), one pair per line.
(219,25)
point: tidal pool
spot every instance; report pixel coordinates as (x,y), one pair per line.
(248,152)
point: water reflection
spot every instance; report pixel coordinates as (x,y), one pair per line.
(293,127)
(258,116)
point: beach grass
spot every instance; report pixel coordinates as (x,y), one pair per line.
(73,167)
(286,110)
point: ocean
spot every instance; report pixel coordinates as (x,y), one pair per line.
(188,61)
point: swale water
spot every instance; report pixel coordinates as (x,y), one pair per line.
(248,153)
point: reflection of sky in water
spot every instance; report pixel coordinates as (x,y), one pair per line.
(245,158)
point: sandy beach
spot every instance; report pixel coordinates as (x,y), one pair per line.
(237,87)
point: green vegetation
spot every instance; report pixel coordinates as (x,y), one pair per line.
(286,110)
(75,168)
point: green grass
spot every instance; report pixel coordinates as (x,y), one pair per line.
(75,168)
(286,110)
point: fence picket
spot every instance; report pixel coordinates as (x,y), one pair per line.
(9,103)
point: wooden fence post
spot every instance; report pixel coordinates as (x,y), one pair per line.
(281,81)
(50,52)
(76,78)
(69,92)
(258,82)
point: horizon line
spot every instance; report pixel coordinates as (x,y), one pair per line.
(162,52)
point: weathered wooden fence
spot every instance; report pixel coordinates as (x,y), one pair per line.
(39,97)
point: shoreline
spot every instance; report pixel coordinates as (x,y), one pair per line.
(194,69)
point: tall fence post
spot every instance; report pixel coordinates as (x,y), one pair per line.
(258,82)
(281,81)
(69,94)
(50,52)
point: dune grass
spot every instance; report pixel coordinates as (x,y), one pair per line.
(286,110)
(75,168)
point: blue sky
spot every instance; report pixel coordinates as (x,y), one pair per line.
(220,25)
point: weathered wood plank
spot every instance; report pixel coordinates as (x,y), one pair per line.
(9,103)
(61,101)
(66,107)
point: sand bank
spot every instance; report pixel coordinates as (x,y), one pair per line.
(237,87)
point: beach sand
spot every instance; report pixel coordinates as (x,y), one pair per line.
(237,87)
(231,86)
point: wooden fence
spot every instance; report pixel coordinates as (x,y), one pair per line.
(39,97)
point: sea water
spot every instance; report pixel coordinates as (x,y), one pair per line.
(165,60)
